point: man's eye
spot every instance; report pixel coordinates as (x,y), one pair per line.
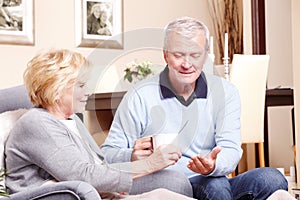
(196,55)
(177,55)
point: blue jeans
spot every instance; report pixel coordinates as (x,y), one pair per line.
(256,184)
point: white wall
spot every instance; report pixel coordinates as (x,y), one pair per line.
(279,42)
(55,27)
(247,27)
(279,47)
(296,63)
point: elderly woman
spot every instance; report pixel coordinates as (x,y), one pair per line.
(49,143)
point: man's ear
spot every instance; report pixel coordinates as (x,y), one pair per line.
(165,56)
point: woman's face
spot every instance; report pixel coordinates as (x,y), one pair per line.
(97,12)
(74,99)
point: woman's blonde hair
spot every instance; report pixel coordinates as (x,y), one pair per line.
(49,73)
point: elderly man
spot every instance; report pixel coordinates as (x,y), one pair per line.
(204,108)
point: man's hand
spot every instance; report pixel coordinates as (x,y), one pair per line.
(142,148)
(204,165)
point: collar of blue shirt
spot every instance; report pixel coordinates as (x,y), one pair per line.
(168,91)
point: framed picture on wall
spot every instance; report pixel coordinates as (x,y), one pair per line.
(99,23)
(16,22)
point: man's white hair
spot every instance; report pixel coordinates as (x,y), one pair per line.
(186,26)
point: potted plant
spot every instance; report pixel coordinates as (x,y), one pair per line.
(3,190)
(136,71)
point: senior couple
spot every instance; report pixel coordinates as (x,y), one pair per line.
(182,96)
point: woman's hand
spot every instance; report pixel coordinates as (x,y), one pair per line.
(163,157)
(204,165)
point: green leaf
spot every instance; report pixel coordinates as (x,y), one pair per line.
(3,190)
(139,70)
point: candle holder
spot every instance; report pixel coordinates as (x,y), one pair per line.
(212,57)
(226,67)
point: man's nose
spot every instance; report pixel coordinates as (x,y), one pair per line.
(186,62)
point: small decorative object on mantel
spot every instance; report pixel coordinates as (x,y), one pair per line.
(211,49)
(136,71)
(226,58)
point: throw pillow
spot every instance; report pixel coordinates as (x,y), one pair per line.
(7,122)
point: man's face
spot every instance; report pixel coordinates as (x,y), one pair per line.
(185,57)
(104,16)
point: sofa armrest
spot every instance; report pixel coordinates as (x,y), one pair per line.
(66,190)
(14,98)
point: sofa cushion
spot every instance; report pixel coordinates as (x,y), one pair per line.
(7,122)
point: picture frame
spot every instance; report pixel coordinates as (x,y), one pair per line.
(99,23)
(17,22)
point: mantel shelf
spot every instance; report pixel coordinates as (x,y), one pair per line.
(104,101)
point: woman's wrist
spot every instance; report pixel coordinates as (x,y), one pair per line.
(142,167)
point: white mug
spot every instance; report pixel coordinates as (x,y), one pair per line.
(163,138)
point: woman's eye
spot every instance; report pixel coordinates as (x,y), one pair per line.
(81,85)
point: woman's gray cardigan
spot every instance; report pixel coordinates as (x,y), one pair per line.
(41,148)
